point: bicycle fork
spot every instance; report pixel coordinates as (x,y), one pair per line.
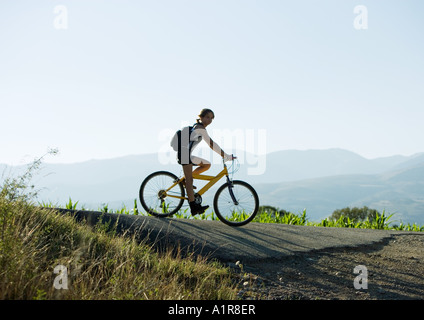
(230,189)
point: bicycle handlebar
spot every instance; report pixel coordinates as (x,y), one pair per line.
(232,159)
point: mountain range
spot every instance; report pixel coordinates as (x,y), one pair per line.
(319,180)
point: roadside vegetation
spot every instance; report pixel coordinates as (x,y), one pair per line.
(100,264)
(361,218)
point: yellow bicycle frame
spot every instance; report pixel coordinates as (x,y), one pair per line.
(212,179)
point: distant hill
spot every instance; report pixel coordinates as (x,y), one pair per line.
(292,165)
(400,192)
(318,180)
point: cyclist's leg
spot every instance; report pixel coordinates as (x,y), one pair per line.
(202,163)
(188,174)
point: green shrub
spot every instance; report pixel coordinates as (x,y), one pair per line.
(355,214)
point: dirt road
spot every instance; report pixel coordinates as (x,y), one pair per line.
(394,266)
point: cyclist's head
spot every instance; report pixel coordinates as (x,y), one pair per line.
(205,112)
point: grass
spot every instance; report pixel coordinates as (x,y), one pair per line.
(100,263)
(382,221)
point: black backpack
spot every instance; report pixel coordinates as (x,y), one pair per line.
(181,139)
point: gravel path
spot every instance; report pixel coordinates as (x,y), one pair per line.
(395,271)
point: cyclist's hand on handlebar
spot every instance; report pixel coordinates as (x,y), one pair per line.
(228,157)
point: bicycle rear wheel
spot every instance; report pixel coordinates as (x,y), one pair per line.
(155,199)
(237,204)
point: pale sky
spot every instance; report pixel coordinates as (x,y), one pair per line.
(125,73)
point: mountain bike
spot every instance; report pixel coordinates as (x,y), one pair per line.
(235,203)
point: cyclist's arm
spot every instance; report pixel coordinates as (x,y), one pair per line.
(212,144)
(215,147)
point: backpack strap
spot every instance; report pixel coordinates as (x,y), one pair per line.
(191,131)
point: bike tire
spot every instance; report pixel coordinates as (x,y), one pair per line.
(232,214)
(153,196)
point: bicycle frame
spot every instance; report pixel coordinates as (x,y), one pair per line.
(212,180)
(235,202)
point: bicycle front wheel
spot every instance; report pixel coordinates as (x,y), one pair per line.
(236,204)
(155,196)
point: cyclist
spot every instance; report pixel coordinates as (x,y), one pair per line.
(198,134)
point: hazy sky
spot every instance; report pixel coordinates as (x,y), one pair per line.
(122,75)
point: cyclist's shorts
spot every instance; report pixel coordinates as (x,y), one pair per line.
(195,161)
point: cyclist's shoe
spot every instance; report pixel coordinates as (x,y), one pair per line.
(197,208)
